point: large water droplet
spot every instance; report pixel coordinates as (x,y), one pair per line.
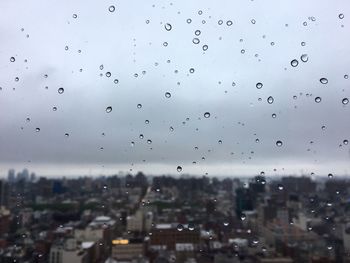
(259,85)
(167,95)
(60,90)
(168,27)
(206,115)
(190,226)
(108,74)
(304,58)
(330,176)
(229,23)
(180,227)
(109,109)
(12,59)
(323,80)
(341,16)
(318,99)
(243,217)
(149,141)
(345,142)
(191,70)
(270,100)
(179,169)
(279,143)
(111,8)
(345,101)
(195,40)
(294,63)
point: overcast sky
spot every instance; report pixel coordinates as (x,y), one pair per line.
(75,45)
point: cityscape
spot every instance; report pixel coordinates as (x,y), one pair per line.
(184,219)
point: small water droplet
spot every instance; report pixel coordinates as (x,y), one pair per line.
(12,59)
(330,176)
(294,63)
(60,90)
(132,144)
(37,129)
(226,223)
(346,76)
(195,40)
(149,141)
(111,8)
(259,85)
(116,81)
(180,227)
(345,142)
(109,109)
(341,16)
(229,23)
(197,32)
(189,20)
(323,80)
(253,21)
(270,100)
(318,99)
(108,74)
(304,58)
(220,22)
(191,70)
(179,169)
(206,115)
(191,227)
(66,134)
(205,47)
(171,129)
(147,121)
(279,143)
(345,101)
(168,27)
(280,187)
(167,95)
(75,15)
(274,115)
(243,217)
(141,136)
(54,108)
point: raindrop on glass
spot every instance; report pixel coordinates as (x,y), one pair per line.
(279,143)
(345,101)
(179,169)
(139,106)
(270,100)
(206,115)
(304,58)
(168,27)
(109,109)
(167,95)
(294,63)
(259,85)
(318,99)
(180,227)
(111,8)
(323,80)
(205,47)
(12,59)
(229,23)
(60,90)
(195,40)
(341,16)
(37,129)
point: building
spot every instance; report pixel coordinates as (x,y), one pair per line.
(127,249)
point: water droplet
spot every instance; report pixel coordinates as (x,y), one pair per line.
(274,115)
(318,99)
(149,141)
(168,27)
(66,134)
(111,8)
(205,47)
(66,48)
(171,129)
(345,142)
(259,85)
(346,76)
(195,40)
(54,108)
(270,100)
(229,23)
(257,140)
(330,176)
(294,63)
(165,44)
(101,67)
(27,119)
(132,144)
(60,90)
(179,169)
(279,143)
(141,136)
(139,106)
(206,115)
(12,59)
(75,15)
(116,81)
(345,101)
(253,21)
(16,79)
(280,187)
(189,20)
(197,32)
(147,121)
(243,217)
(323,80)
(323,127)
(167,95)
(226,223)
(304,58)
(341,16)
(37,129)
(220,22)
(108,74)
(180,227)
(109,109)
(191,70)
(190,226)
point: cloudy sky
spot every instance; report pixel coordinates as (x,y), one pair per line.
(208,55)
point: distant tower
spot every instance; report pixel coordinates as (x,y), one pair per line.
(11,176)
(4,193)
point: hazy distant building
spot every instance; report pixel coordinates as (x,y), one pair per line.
(11,176)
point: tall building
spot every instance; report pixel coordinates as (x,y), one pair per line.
(11,176)
(4,193)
